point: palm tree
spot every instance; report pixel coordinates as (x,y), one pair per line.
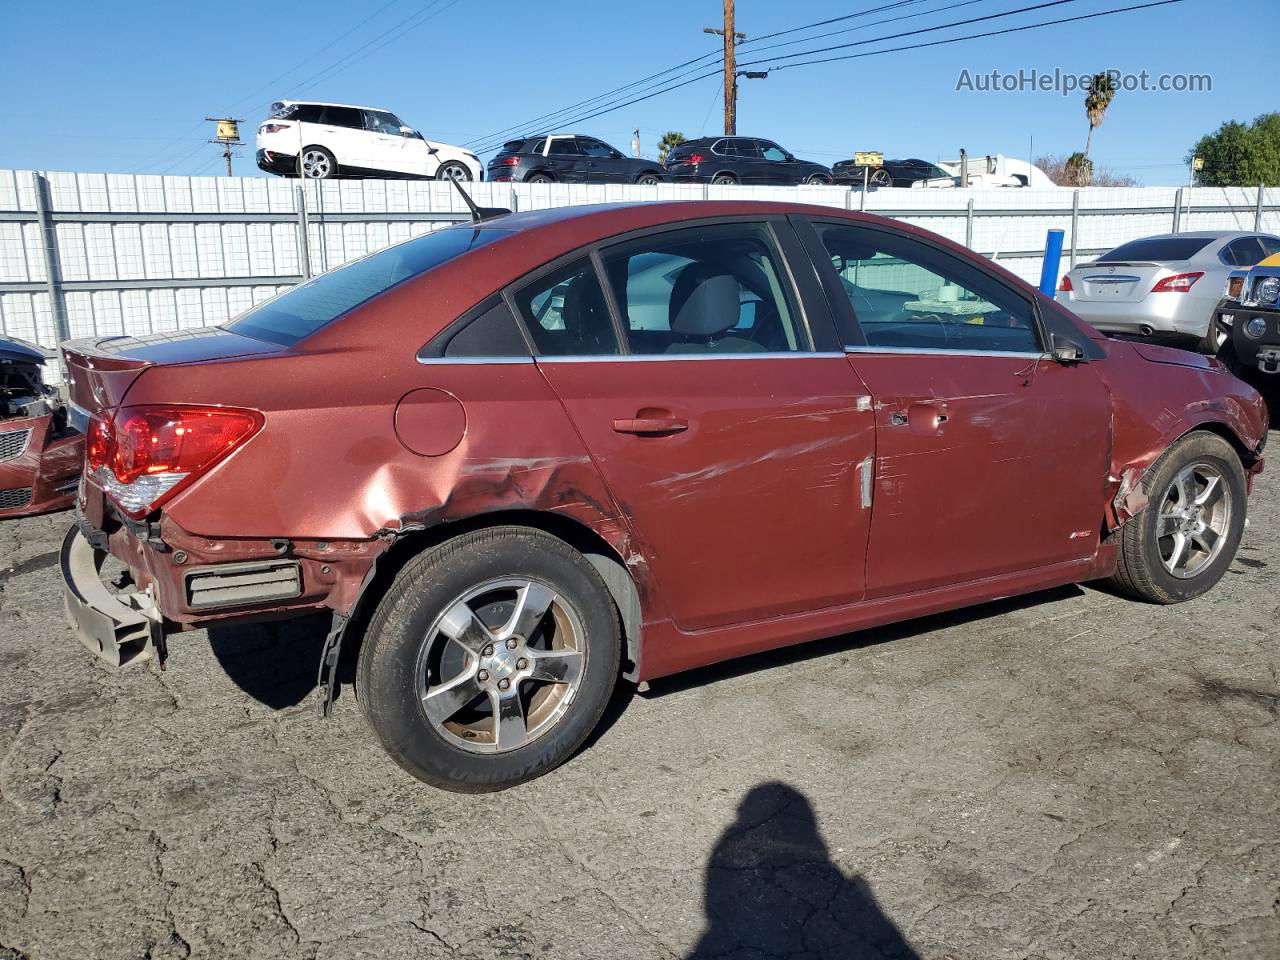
(1102,90)
(669,141)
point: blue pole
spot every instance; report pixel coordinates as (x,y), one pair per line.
(1052,257)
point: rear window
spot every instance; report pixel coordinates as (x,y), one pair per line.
(306,308)
(1158,248)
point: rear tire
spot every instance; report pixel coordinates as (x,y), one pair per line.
(453,170)
(465,683)
(1180,546)
(318,164)
(723,180)
(540,178)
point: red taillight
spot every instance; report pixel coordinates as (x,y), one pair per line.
(273,127)
(509,161)
(1178,283)
(1065,285)
(696,158)
(145,454)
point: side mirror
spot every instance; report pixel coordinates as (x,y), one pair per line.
(1066,351)
(406,131)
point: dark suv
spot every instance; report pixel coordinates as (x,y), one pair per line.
(747,160)
(570,158)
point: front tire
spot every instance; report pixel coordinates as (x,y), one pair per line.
(648,179)
(1180,546)
(490,659)
(818,180)
(453,170)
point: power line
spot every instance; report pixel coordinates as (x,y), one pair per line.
(913,33)
(864,26)
(549,117)
(492,144)
(247,97)
(872,53)
(978,36)
(427,14)
(823,23)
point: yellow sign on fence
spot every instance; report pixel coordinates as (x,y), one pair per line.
(868,158)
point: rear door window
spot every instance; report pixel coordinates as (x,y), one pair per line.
(1244,252)
(306,308)
(564,147)
(343,117)
(1158,249)
(713,290)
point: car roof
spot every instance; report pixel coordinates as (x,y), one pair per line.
(330,103)
(1203,234)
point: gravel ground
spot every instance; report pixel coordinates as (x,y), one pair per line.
(1066,775)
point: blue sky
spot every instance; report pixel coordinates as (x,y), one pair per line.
(124,87)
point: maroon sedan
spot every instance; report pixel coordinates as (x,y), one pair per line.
(526,457)
(40,453)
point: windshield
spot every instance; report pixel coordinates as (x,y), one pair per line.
(1158,248)
(306,308)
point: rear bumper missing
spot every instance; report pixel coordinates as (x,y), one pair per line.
(120,629)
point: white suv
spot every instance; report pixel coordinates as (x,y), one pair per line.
(337,139)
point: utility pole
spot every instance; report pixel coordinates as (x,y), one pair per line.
(731,39)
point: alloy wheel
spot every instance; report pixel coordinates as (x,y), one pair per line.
(501,665)
(316,165)
(454,171)
(1193,521)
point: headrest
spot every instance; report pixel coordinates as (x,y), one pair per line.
(704,302)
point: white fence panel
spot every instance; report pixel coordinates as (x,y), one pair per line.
(136,254)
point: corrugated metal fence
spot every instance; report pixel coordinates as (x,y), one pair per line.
(90,253)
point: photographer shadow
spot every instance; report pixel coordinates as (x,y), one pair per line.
(772,890)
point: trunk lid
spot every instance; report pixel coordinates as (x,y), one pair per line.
(1119,281)
(100,370)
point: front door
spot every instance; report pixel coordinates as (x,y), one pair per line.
(990,458)
(737,452)
(604,164)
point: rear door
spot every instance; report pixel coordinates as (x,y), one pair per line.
(990,458)
(565,161)
(344,135)
(735,442)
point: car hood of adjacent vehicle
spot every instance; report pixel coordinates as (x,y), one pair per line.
(1175,357)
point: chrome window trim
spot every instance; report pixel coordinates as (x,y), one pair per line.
(943,352)
(431,361)
(649,357)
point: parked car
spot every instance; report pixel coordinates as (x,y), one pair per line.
(523,456)
(1247,323)
(894,173)
(744,160)
(341,140)
(40,452)
(1165,286)
(570,158)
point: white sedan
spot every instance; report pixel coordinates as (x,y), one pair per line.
(338,139)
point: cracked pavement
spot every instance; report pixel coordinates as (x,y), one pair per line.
(1065,775)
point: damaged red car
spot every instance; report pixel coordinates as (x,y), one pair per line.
(523,458)
(40,452)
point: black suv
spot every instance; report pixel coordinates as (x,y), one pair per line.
(746,160)
(894,173)
(570,158)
